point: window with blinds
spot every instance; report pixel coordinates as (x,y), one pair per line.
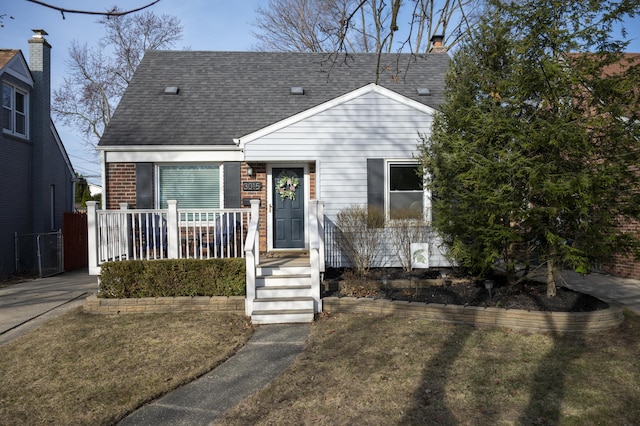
(193,186)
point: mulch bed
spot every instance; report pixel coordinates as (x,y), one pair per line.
(527,295)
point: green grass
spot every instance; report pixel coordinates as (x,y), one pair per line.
(83,369)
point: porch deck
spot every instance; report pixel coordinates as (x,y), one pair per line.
(285,259)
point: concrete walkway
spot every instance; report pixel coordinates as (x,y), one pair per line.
(269,351)
(28,305)
(613,290)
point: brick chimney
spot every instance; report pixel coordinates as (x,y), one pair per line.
(40,125)
(437,44)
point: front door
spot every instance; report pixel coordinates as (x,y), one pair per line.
(288,207)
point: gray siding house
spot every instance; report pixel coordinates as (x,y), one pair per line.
(218,129)
(36,177)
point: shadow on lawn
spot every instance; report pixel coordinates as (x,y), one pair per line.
(429,405)
(548,387)
(547,384)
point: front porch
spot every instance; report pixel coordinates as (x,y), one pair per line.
(283,286)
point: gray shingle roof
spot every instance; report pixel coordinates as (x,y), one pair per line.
(226,95)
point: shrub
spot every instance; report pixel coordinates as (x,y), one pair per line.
(172,278)
(404,230)
(360,236)
(358,286)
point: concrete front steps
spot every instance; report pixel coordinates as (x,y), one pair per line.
(283,295)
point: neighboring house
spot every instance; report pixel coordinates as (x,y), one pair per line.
(36,177)
(217,129)
(625,265)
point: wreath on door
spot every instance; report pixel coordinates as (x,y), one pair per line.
(286,186)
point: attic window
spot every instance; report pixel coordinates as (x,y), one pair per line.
(171,90)
(423,91)
(297,90)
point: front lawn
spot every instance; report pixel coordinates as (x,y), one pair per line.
(85,369)
(363,369)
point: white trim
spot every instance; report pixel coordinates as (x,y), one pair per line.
(176,155)
(154,148)
(426,194)
(156,180)
(103,180)
(26,95)
(10,69)
(241,142)
(307,192)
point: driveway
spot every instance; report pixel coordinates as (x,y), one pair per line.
(27,305)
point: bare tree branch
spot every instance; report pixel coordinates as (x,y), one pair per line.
(112,12)
(97,77)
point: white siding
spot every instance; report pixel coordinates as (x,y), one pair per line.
(341,139)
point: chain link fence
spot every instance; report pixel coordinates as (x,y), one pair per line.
(40,254)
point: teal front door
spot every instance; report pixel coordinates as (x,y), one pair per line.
(288,207)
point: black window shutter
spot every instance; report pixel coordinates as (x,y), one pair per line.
(375,183)
(144,185)
(232,185)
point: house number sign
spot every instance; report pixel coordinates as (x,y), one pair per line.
(251,186)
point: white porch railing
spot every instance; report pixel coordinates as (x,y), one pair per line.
(164,233)
(252,255)
(316,250)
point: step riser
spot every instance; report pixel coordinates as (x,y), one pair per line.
(282,281)
(281,318)
(281,305)
(266,292)
(293,270)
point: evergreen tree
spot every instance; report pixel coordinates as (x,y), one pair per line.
(533,157)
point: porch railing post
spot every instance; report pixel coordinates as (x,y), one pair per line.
(173,231)
(252,255)
(255,212)
(315,255)
(320,217)
(92,237)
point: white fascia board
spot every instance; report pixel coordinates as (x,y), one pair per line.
(372,87)
(171,154)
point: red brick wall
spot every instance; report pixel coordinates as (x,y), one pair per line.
(625,266)
(121,185)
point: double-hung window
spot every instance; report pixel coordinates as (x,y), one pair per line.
(405,191)
(14,110)
(193,186)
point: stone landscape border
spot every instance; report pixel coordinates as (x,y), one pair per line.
(98,305)
(516,319)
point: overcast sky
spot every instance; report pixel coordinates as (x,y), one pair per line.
(223,25)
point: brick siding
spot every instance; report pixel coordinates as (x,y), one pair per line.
(625,265)
(121,185)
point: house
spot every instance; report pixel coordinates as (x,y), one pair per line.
(217,129)
(625,265)
(36,177)
(305,134)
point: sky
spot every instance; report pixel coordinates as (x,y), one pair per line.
(220,25)
(208,25)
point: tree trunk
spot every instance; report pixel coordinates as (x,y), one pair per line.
(551,278)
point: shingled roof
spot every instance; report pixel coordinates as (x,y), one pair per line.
(226,95)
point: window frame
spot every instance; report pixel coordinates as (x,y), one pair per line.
(158,177)
(426,204)
(14,113)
